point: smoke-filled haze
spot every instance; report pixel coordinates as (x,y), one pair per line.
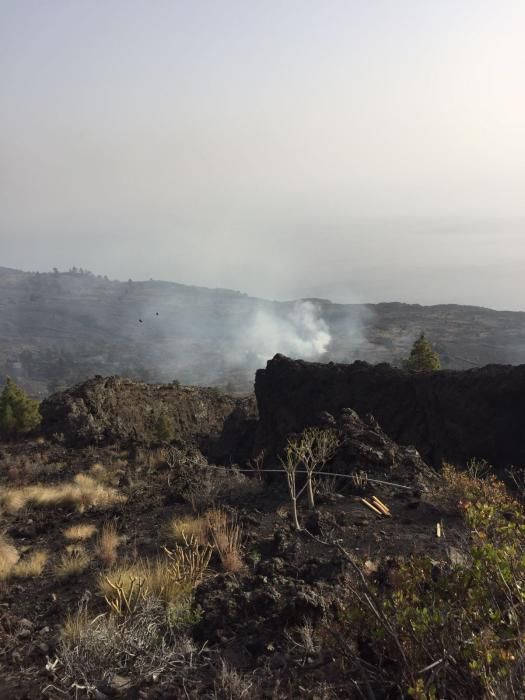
(359,151)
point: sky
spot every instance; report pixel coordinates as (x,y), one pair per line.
(359,151)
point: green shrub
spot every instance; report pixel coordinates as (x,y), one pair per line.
(18,413)
(452,630)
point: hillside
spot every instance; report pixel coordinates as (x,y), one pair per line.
(60,328)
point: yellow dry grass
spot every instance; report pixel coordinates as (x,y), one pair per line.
(31,566)
(152,575)
(226,536)
(107,544)
(75,626)
(170,578)
(83,492)
(73,561)
(188,527)
(99,473)
(80,532)
(8,558)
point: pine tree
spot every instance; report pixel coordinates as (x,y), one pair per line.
(18,413)
(422,357)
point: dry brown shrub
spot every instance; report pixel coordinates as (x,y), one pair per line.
(8,558)
(107,544)
(143,645)
(31,566)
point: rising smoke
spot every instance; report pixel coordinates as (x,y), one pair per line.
(300,333)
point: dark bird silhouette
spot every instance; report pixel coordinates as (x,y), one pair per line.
(156,313)
(140,320)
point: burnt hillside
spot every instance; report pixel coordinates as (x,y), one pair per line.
(61,328)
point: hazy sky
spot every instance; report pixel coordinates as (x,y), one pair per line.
(369,150)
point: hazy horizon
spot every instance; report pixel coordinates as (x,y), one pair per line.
(358,152)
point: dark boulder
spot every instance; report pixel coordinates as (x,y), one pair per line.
(106,410)
(447,415)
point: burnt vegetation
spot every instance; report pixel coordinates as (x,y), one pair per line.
(169,541)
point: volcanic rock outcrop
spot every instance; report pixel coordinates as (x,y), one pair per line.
(447,415)
(107,410)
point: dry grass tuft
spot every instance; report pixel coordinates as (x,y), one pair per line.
(231,684)
(80,532)
(73,562)
(189,527)
(226,536)
(83,492)
(170,578)
(75,626)
(99,473)
(8,558)
(31,566)
(107,544)
(150,577)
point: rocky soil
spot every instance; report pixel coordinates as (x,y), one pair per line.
(267,628)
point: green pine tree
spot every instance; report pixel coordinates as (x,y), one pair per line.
(18,413)
(423,357)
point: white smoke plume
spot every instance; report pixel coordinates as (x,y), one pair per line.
(301,333)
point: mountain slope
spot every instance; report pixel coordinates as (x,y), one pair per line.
(59,328)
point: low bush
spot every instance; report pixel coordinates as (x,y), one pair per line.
(450,631)
(139,646)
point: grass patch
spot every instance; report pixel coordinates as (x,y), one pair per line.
(8,558)
(80,532)
(140,645)
(83,492)
(31,566)
(226,535)
(170,578)
(107,544)
(73,562)
(188,527)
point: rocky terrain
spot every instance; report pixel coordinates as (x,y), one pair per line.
(448,415)
(140,566)
(60,328)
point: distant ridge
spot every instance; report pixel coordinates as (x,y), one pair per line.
(59,328)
